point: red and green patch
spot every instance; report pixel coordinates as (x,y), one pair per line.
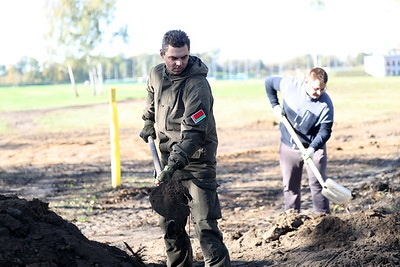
(198,116)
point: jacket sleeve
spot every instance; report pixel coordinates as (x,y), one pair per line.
(272,85)
(196,122)
(326,123)
(323,135)
(148,112)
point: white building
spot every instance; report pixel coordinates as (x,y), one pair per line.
(382,65)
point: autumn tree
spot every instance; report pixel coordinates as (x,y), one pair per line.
(78,28)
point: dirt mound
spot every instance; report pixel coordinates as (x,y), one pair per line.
(35,236)
(367,238)
(70,171)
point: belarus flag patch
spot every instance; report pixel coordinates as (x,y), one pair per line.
(198,116)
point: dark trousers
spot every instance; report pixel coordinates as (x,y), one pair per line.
(292,164)
(205,210)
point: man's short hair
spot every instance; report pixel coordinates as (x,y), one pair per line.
(175,38)
(319,74)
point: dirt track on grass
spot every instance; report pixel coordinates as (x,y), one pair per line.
(71,172)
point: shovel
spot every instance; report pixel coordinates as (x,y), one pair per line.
(330,189)
(169,199)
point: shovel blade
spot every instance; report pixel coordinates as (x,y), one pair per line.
(336,192)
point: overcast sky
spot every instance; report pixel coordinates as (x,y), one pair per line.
(271,30)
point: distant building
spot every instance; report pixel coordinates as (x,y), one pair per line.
(382,65)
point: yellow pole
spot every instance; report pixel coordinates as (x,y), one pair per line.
(114,141)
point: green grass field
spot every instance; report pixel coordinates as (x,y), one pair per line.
(354,98)
(56,96)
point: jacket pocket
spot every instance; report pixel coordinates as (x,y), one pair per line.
(174,119)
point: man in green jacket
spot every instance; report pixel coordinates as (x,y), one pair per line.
(180,103)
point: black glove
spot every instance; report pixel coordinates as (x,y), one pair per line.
(165,175)
(148,130)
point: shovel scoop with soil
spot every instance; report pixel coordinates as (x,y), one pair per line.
(170,199)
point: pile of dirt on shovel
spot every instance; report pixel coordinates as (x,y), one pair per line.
(32,235)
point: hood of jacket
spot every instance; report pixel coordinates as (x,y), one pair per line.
(194,67)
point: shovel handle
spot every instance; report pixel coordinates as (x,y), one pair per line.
(299,144)
(154,155)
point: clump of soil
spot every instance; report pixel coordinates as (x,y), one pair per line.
(170,199)
(31,235)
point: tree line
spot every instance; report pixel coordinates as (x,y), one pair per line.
(28,71)
(78,28)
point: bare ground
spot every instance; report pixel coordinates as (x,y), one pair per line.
(71,172)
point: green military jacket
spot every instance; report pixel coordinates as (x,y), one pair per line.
(182,108)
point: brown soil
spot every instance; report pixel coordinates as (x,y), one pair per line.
(88,223)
